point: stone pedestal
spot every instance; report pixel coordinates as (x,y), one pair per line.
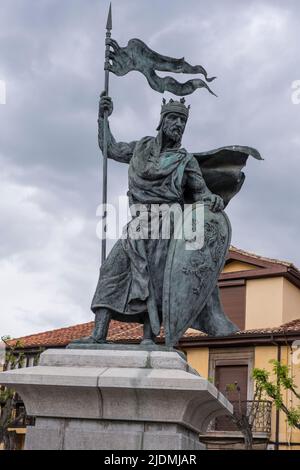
(115,400)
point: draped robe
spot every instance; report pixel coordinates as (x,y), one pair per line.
(131,278)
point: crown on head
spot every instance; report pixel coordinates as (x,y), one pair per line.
(175,107)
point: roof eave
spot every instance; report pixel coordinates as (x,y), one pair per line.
(244,339)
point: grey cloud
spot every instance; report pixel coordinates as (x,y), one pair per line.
(51,56)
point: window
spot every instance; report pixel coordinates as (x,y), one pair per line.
(233,299)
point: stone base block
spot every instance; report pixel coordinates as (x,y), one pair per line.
(73,434)
(115,400)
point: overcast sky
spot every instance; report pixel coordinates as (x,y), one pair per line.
(51,59)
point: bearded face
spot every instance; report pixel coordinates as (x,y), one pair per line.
(173,126)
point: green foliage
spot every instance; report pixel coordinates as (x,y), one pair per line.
(14,355)
(14,358)
(260,375)
(5,395)
(5,339)
(231,387)
(37,356)
(273,389)
(293,417)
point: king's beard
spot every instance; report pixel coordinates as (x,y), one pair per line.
(172,134)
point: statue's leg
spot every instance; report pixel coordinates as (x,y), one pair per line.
(149,336)
(102,320)
(99,334)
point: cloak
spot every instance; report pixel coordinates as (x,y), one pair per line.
(131,277)
(222,169)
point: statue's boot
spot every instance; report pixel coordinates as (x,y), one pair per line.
(99,334)
(149,336)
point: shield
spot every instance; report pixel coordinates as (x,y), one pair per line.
(192,269)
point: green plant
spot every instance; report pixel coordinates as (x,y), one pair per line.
(242,417)
(273,389)
(14,358)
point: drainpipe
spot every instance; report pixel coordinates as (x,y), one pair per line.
(277,411)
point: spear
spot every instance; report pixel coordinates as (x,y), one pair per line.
(105,135)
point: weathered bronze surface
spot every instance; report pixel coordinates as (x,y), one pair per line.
(139,57)
(155,281)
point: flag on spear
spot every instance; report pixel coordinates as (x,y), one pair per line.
(138,56)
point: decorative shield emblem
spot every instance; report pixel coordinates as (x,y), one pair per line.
(192,270)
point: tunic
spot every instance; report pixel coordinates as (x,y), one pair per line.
(131,278)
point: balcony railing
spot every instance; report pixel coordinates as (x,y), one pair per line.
(257,413)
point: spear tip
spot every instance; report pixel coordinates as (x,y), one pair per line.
(109,19)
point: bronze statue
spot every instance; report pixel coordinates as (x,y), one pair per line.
(155,281)
(132,282)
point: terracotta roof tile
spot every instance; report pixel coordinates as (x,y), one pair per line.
(128,333)
(61,337)
(290,327)
(233,249)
